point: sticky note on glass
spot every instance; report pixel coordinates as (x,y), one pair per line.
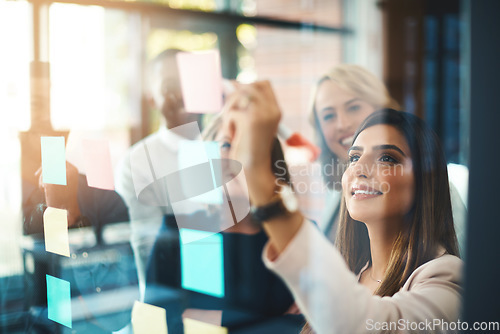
(53,160)
(213,317)
(195,327)
(55,228)
(201,81)
(192,153)
(59,301)
(98,163)
(202,262)
(149,319)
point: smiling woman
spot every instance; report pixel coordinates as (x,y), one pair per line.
(413,214)
(398,241)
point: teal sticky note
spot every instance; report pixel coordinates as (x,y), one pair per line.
(202,262)
(53,160)
(59,301)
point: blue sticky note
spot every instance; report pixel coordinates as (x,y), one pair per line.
(202,262)
(59,301)
(53,160)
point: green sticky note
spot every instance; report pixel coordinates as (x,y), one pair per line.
(59,301)
(202,262)
(53,160)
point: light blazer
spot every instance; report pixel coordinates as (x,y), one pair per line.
(333,301)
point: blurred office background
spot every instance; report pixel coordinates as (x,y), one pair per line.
(77,68)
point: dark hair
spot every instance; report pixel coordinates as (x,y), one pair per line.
(427,226)
(279,166)
(154,64)
(165,54)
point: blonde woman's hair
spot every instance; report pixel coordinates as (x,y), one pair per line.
(361,83)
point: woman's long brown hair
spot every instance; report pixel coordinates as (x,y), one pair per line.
(427,226)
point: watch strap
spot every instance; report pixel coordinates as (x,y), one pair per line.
(269,211)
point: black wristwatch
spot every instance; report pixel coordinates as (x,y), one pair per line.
(284,203)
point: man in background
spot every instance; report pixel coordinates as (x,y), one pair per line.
(153,157)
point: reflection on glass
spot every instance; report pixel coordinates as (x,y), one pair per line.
(15,35)
(99,86)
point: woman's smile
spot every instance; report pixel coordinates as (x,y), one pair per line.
(361,192)
(346,141)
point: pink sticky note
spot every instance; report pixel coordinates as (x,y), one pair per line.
(98,164)
(201,81)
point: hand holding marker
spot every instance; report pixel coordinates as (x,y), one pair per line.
(293,139)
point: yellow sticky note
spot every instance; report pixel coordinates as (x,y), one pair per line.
(149,319)
(55,227)
(195,327)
